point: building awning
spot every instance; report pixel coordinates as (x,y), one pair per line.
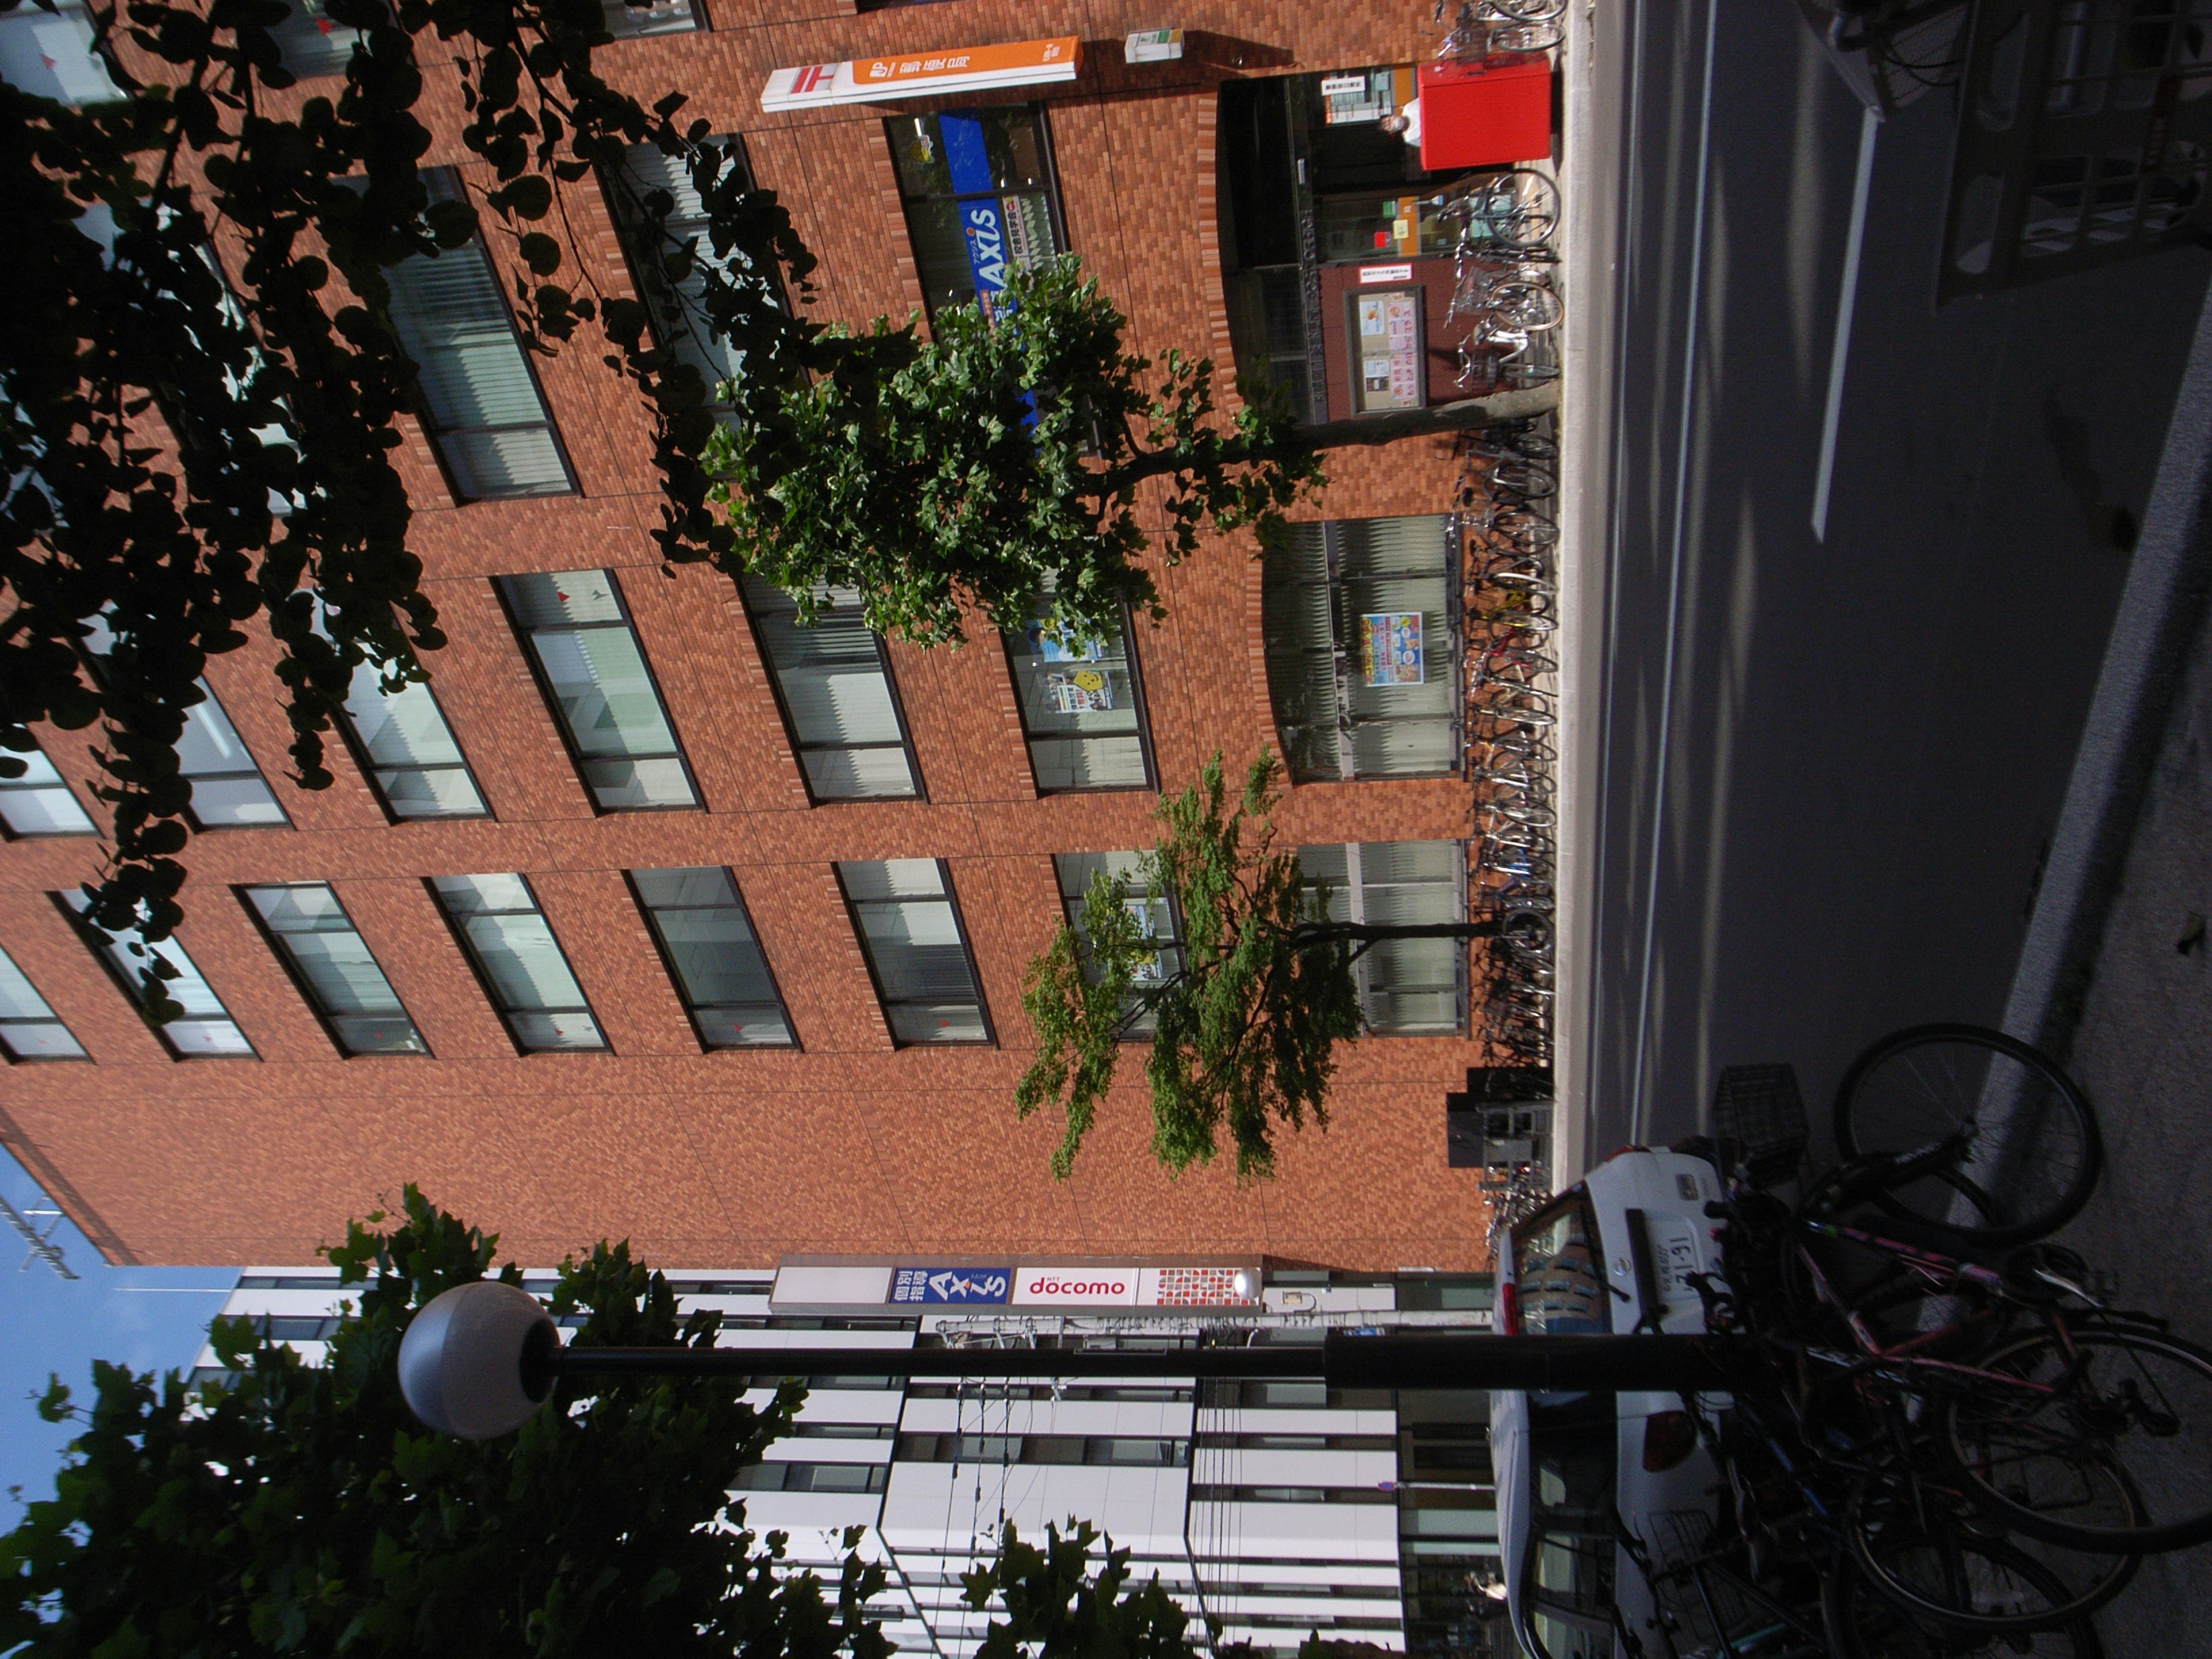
(923,74)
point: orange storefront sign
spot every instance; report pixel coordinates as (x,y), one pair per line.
(923,74)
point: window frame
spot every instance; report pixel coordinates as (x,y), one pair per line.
(799,750)
(52,1017)
(1138,703)
(791,1043)
(1071,909)
(244,892)
(559,716)
(1343,650)
(366,764)
(123,982)
(492,998)
(95,663)
(951,898)
(1048,152)
(434,432)
(1364,970)
(25,785)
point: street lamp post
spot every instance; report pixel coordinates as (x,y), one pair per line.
(480,1360)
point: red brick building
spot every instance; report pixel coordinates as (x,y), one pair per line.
(1232,202)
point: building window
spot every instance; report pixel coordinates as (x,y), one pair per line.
(481,401)
(980,198)
(310,42)
(1156,915)
(626,22)
(408,751)
(1083,708)
(833,682)
(28,1028)
(511,946)
(1412,986)
(38,803)
(1361,621)
(814,1477)
(676,307)
(228,789)
(594,675)
(206,1030)
(334,969)
(917,949)
(713,956)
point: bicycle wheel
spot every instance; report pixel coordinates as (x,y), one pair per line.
(1926,1550)
(2034,1152)
(1530,212)
(1531,305)
(1528,11)
(1527,37)
(2137,1400)
(1525,479)
(1862,1625)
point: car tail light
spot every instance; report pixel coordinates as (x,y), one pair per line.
(1669,1437)
(1509,1309)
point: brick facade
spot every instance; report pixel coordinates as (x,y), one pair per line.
(733,1157)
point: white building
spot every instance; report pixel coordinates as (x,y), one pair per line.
(1271,1509)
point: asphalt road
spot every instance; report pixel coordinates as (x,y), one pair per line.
(1811,781)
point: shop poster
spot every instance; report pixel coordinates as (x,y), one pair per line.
(1080,691)
(1390,648)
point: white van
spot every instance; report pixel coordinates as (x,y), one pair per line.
(1613,1253)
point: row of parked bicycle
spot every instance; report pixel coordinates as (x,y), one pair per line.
(1508,486)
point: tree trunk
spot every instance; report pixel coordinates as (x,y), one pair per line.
(1361,431)
(1466,415)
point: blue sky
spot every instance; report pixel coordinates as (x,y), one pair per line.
(148,1318)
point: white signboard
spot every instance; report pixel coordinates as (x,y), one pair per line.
(1385,273)
(1076,1287)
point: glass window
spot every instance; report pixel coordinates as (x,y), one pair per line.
(980,197)
(679,319)
(1361,623)
(1559,1274)
(595,673)
(1411,986)
(331,962)
(713,956)
(833,682)
(480,398)
(512,947)
(626,22)
(311,42)
(228,791)
(1567,1575)
(1083,708)
(910,930)
(206,1029)
(39,803)
(1155,914)
(28,1028)
(408,750)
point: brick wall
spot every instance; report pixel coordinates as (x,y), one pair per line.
(735,1157)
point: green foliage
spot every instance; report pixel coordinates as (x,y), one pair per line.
(1244,1036)
(153,403)
(300,1510)
(1055,1611)
(1001,458)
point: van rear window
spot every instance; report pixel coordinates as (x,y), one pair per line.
(1558,1274)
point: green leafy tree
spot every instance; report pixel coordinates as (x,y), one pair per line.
(299,1510)
(1055,1609)
(1245,1034)
(1018,455)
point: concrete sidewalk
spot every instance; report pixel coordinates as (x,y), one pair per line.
(2143,1051)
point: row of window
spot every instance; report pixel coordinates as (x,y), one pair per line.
(1082,711)
(903,910)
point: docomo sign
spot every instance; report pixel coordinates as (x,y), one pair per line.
(1080,1287)
(923,74)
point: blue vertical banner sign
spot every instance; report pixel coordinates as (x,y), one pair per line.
(982,223)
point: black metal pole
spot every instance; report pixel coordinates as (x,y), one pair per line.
(1442,1360)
